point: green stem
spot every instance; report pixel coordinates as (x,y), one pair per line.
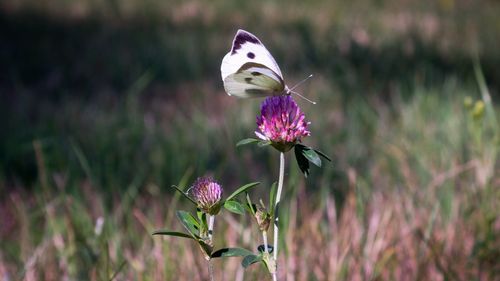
(276,210)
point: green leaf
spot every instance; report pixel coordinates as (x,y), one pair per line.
(250,206)
(202,219)
(246,141)
(200,215)
(305,154)
(312,156)
(323,155)
(173,233)
(189,223)
(206,248)
(184,194)
(242,189)
(301,159)
(250,259)
(234,207)
(272,196)
(231,252)
(263,143)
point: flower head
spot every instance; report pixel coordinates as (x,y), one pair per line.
(282,122)
(207,194)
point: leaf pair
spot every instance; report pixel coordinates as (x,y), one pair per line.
(235,206)
(196,231)
(305,154)
(249,257)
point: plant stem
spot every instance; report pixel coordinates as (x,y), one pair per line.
(211,270)
(211,220)
(276,210)
(264,239)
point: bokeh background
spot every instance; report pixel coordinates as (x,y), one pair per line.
(106,104)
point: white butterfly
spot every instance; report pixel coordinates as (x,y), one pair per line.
(249,70)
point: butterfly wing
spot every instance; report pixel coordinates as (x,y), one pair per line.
(249,70)
(253,80)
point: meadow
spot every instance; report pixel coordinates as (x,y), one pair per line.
(106,105)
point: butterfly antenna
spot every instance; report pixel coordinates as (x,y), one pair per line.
(298,84)
(293,92)
(301,82)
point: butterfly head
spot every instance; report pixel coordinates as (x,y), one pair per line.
(287,91)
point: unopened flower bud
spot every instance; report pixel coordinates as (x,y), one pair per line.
(263,218)
(207,194)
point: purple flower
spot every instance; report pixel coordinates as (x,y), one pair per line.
(282,122)
(207,194)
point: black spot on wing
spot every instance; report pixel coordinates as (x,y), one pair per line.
(255,73)
(250,55)
(248,79)
(241,38)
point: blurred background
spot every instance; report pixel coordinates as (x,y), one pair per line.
(106,104)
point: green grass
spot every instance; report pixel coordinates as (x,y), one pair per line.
(107,110)
(407,175)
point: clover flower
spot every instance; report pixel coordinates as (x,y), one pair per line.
(207,194)
(281,122)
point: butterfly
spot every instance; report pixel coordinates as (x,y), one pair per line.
(248,70)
